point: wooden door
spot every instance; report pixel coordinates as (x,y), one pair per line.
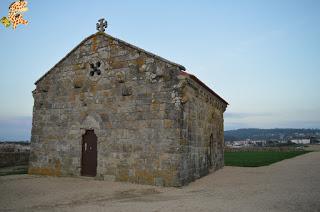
(89,154)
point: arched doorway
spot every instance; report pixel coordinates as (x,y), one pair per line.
(89,154)
(211,152)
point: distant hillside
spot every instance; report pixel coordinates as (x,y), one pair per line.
(267,134)
(15,142)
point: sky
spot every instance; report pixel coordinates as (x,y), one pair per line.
(262,56)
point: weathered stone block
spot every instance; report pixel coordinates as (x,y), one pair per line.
(110,178)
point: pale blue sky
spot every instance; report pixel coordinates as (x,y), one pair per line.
(263,57)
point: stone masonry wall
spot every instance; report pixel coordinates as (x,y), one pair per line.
(131,106)
(13,158)
(202,120)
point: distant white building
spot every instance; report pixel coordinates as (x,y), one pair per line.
(245,143)
(301,141)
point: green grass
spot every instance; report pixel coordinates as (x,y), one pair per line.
(255,159)
(22,169)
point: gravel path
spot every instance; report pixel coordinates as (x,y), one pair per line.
(290,185)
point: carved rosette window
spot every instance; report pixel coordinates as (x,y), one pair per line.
(95,69)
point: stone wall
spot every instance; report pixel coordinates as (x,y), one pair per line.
(129,106)
(14,147)
(202,121)
(13,158)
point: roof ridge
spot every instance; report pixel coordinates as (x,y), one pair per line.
(196,79)
(120,41)
(145,51)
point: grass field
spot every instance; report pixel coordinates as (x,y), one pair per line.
(22,169)
(255,159)
(243,159)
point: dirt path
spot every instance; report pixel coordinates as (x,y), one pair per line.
(290,185)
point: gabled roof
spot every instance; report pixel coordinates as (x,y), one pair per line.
(182,68)
(191,76)
(120,41)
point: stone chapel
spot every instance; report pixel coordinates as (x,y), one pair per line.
(113,111)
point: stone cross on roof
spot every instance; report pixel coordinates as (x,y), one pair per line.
(102,25)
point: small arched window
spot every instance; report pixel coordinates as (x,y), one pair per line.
(210,150)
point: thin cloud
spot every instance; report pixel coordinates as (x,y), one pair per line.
(244,115)
(15,128)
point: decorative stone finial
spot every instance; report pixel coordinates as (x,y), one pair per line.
(102,25)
